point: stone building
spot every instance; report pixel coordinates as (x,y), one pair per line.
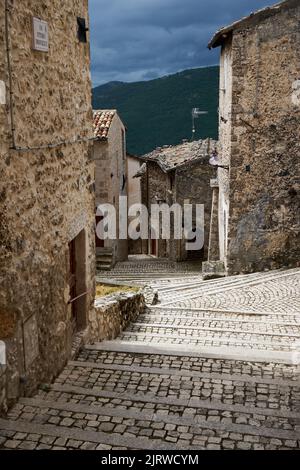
(177,174)
(134,190)
(46,188)
(111,181)
(258,195)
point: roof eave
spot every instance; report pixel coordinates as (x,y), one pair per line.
(259,15)
(219,38)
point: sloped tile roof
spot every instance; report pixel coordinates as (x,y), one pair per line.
(172,157)
(102,122)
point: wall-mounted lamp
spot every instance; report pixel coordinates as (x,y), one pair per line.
(214,161)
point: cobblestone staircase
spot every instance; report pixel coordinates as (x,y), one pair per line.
(104,259)
(187,375)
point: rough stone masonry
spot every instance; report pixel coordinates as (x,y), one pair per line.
(46,194)
(259,203)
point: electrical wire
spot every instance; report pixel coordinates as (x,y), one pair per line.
(54,145)
(8,58)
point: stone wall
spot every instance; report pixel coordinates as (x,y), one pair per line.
(113,314)
(111,178)
(264,223)
(46,194)
(155,185)
(225,132)
(189,184)
(3,396)
(135,247)
(192,186)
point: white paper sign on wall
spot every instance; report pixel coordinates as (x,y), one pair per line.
(2,354)
(40,35)
(2,92)
(296,93)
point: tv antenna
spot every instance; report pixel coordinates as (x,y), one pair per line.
(196,113)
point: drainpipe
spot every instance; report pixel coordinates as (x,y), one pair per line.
(148,206)
(8,58)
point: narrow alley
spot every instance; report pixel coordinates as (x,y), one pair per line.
(213,365)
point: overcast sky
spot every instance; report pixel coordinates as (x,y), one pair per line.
(134,40)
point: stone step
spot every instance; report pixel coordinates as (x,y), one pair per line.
(234,389)
(102,268)
(197,291)
(184,336)
(100,251)
(206,285)
(158,422)
(195,364)
(185,327)
(24,435)
(202,318)
(104,259)
(233,281)
(185,433)
(226,352)
(167,279)
(173,373)
(232,313)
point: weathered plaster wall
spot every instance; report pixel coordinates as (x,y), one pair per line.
(134,197)
(225,130)
(192,186)
(46,196)
(117,154)
(111,178)
(189,184)
(3,404)
(158,185)
(102,172)
(264,222)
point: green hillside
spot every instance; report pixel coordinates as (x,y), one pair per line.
(158,112)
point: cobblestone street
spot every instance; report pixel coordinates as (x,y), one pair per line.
(214,365)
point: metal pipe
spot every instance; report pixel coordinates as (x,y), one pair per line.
(8,58)
(78,297)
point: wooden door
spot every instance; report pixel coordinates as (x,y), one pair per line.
(72,282)
(153,247)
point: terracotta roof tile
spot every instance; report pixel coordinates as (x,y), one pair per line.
(102,122)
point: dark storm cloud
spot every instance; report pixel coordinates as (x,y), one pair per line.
(135,40)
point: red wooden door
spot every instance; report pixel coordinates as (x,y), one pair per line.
(72,282)
(153,247)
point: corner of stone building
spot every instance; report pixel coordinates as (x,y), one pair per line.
(3,390)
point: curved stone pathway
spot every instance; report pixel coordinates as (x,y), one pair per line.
(215,365)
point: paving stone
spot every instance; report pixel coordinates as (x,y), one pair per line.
(177,398)
(67,422)
(20,436)
(27,445)
(61,441)
(93,424)
(106,427)
(244,445)
(12,444)
(88,446)
(74,444)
